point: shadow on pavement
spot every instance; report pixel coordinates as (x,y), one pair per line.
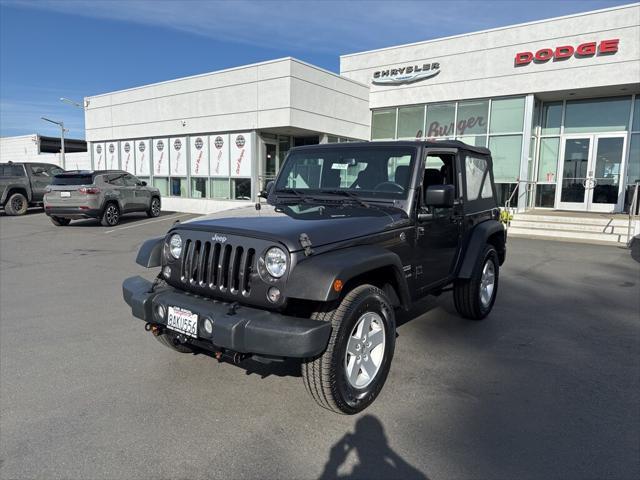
(376,459)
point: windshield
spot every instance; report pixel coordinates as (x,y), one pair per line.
(73,179)
(368,171)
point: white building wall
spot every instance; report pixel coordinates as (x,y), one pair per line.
(258,96)
(25,149)
(481,64)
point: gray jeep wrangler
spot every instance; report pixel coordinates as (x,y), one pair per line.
(350,234)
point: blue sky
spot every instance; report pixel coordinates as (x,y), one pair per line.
(76,48)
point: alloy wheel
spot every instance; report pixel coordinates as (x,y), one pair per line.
(365,350)
(487,282)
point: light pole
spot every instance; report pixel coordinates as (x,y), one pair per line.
(61,125)
(71,102)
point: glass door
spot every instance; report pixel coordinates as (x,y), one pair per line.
(606,194)
(591,172)
(574,167)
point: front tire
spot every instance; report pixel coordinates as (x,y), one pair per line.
(351,372)
(474,297)
(154,208)
(111,215)
(17,204)
(60,221)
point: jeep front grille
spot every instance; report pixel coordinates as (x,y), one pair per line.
(217,266)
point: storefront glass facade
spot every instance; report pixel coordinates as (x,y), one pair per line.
(583,154)
(588,153)
(496,123)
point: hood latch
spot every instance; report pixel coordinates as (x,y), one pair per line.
(305,242)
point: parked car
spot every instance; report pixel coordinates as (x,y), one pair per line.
(23,185)
(104,194)
(355,232)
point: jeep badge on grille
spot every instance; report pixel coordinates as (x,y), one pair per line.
(219,238)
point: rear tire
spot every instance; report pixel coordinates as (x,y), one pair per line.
(60,221)
(17,204)
(154,208)
(474,297)
(351,372)
(111,215)
(168,341)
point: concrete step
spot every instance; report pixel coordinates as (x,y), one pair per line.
(568,235)
(581,220)
(523,222)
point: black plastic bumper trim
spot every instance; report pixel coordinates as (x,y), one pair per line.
(248,330)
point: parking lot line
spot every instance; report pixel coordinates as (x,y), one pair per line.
(150,221)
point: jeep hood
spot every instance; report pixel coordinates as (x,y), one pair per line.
(324,224)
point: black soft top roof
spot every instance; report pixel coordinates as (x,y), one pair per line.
(401,143)
(71,173)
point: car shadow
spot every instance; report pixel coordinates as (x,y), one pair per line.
(375,458)
(291,367)
(124,220)
(30,211)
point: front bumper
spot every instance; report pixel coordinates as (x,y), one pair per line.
(244,329)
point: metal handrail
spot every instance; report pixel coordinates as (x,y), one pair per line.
(633,212)
(507,204)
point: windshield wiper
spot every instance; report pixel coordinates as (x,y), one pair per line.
(295,192)
(355,197)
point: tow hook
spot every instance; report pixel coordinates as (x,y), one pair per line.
(155,329)
(233,357)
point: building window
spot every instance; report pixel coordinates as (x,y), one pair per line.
(220,188)
(178,187)
(472,118)
(507,115)
(636,115)
(506,151)
(162,184)
(411,122)
(597,115)
(551,118)
(548,163)
(475,140)
(440,120)
(241,188)
(633,169)
(199,187)
(546,195)
(383,124)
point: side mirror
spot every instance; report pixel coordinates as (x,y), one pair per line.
(267,189)
(143,183)
(440,196)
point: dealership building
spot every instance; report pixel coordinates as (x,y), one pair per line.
(557,101)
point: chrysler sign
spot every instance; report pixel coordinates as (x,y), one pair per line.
(406,74)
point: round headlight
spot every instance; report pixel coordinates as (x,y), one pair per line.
(175,245)
(275,261)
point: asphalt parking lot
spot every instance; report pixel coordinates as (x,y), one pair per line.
(547,387)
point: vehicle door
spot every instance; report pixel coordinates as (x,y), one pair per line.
(125,193)
(12,175)
(438,230)
(40,177)
(141,194)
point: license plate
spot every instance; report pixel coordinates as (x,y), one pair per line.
(65,194)
(183,321)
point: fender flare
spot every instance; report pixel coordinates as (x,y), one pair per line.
(312,278)
(15,186)
(475,244)
(150,253)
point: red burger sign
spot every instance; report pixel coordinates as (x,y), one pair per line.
(563,52)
